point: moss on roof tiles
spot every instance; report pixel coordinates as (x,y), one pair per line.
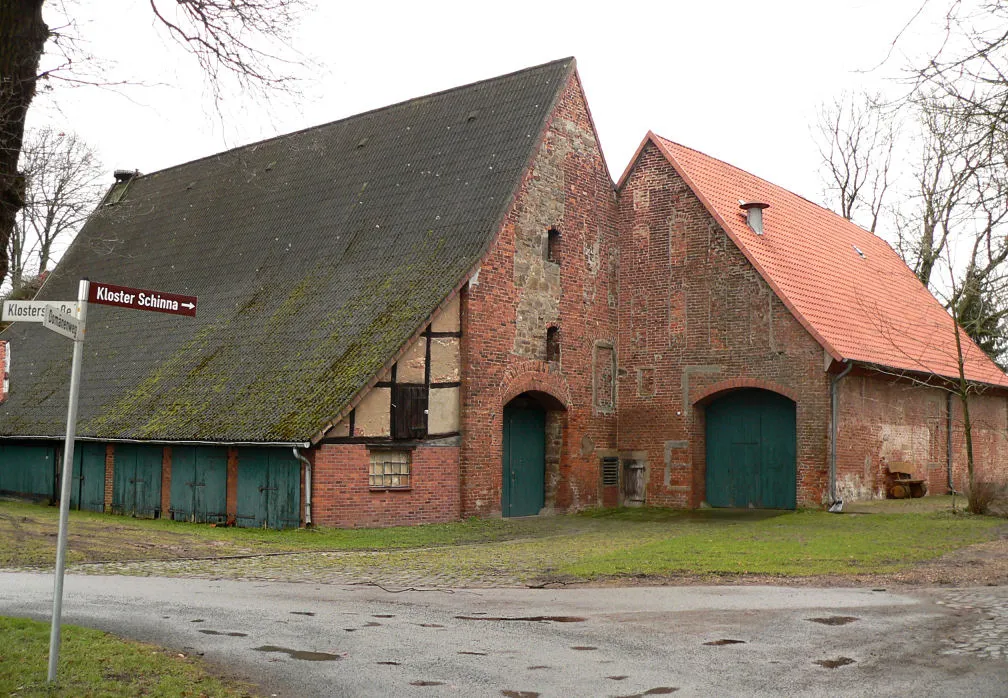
(314,259)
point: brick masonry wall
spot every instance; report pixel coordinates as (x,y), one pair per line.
(341,495)
(518,293)
(696,319)
(889,421)
(109,475)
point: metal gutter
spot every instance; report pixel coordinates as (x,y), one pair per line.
(162,442)
(835,504)
(307,465)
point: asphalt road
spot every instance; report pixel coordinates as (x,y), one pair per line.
(334,640)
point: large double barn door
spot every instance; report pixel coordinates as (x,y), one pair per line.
(136,487)
(199,484)
(269,489)
(87,490)
(751,449)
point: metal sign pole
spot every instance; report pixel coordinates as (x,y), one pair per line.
(67,475)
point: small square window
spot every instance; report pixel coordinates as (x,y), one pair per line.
(389,470)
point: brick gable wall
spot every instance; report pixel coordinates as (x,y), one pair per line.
(518,294)
(696,319)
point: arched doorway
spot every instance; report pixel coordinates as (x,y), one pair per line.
(751,450)
(523,467)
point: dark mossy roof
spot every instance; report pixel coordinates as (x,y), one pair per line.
(315,257)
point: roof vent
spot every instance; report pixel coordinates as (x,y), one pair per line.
(754,214)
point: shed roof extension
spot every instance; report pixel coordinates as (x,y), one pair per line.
(315,256)
(845,285)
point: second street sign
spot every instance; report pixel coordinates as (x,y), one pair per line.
(142,299)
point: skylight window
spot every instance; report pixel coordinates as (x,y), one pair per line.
(860,253)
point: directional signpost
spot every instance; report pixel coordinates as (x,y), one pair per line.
(142,299)
(34,311)
(68,319)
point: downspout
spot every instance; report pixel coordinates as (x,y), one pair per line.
(307,480)
(835,504)
(948,442)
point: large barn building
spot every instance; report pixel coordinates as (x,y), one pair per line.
(447,308)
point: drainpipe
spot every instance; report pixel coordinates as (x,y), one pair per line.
(307,481)
(948,442)
(835,504)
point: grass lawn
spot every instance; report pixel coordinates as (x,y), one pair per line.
(591,545)
(93,663)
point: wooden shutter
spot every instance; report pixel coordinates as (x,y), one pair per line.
(410,411)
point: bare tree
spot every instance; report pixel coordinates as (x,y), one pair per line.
(62,185)
(856,140)
(245,40)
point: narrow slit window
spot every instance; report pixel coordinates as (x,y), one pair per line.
(553,344)
(553,245)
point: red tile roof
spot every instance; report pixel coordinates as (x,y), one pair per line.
(847,286)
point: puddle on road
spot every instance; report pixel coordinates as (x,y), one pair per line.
(834,620)
(724,641)
(584,648)
(533,619)
(659,691)
(429,625)
(834,663)
(350,630)
(383,615)
(220,632)
(388,663)
(372,624)
(196,620)
(538,666)
(475,654)
(301,654)
(520,694)
(619,677)
(424,682)
(302,613)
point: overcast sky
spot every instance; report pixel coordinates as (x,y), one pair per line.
(738,80)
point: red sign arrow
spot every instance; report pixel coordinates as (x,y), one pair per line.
(142,299)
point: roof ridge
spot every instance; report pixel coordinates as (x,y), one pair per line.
(376,110)
(774,184)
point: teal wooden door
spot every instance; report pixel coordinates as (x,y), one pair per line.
(87,491)
(136,486)
(28,469)
(269,489)
(523,476)
(751,449)
(199,484)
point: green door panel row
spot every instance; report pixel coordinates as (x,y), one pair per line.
(28,469)
(87,491)
(199,484)
(269,489)
(136,488)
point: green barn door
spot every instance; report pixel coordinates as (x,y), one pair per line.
(269,489)
(87,491)
(524,463)
(751,448)
(136,487)
(199,484)
(28,470)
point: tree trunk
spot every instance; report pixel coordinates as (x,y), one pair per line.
(22,37)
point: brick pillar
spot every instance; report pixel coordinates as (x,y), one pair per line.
(166,460)
(109,475)
(232,486)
